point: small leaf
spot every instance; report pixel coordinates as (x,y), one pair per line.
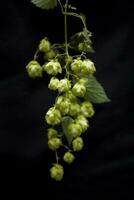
(87,34)
(65,123)
(45,4)
(95,93)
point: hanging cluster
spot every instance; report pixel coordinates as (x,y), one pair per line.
(69,104)
(72,76)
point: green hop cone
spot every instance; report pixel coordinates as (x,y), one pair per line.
(49,55)
(79,89)
(74,130)
(74,109)
(34,69)
(81,46)
(52,133)
(69,95)
(76,65)
(53,116)
(87,109)
(44,45)
(53,85)
(68,157)
(57,172)
(54,143)
(81,119)
(63,104)
(77,144)
(88,67)
(53,67)
(64,85)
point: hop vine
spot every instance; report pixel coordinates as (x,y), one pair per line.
(77,88)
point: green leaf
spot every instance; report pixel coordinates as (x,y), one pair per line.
(95,93)
(45,4)
(65,123)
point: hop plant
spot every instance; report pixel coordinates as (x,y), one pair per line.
(72,78)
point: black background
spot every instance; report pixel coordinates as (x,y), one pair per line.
(105,168)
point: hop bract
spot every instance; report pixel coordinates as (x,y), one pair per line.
(64,85)
(57,172)
(44,45)
(34,69)
(54,143)
(87,109)
(53,116)
(77,144)
(53,67)
(53,85)
(68,157)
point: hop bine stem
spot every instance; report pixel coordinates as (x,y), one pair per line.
(65,28)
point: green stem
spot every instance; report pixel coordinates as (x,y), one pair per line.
(57,158)
(77,16)
(65,13)
(36,53)
(65,28)
(61,6)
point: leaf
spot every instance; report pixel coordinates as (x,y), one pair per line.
(87,34)
(95,93)
(45,4)
(65,123)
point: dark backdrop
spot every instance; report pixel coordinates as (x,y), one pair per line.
(105,168)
